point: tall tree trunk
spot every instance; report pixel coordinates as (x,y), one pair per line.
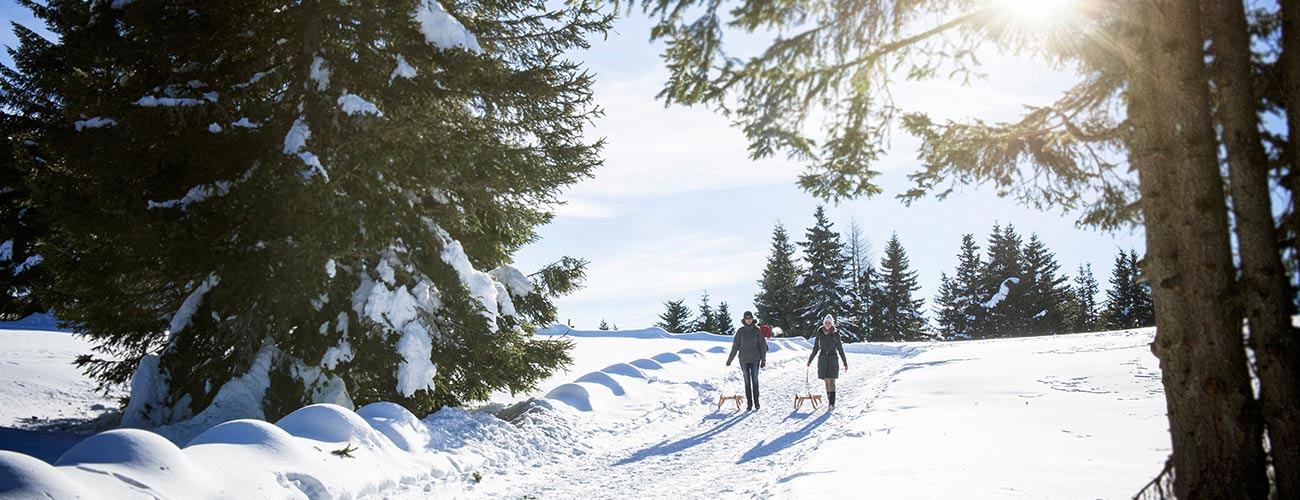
(1277,348)
(1290,63)
(1214,421)
(1263,288)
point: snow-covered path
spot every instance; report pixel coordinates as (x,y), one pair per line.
(677,454)
(1073,416)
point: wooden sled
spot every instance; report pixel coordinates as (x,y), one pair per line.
(724,399)
(815,399)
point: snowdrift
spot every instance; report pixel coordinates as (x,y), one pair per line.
(1053,417)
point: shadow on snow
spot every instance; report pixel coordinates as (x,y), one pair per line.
(665,448)
(785,441)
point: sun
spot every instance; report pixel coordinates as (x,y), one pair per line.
(1033,17)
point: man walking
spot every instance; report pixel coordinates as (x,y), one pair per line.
(752,347)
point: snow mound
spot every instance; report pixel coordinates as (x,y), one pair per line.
(573,395)
(255,433)
(332,424)
(399,424)
(22,476)
(125,446)
(603,379)
(625,370)
(666,357)
(142,460)
(648,364)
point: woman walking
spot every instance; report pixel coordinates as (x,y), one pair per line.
(752,347)
(826,341)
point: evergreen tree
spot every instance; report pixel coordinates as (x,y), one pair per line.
(1085,292)
(961,311)
(1128,302)
(726,326)
(1000,286)
(948,318)
(872,292)
(22,227)
(676,317)
(1143,305)
(707,321)
(778,302)
(858,251)
(1044,293)
(824,288)
(901,319)
(310,189)
(603,325)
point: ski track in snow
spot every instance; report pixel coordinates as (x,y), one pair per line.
(732,454)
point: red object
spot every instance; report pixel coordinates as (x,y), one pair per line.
(767,331)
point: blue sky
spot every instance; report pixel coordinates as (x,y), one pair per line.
(678,208)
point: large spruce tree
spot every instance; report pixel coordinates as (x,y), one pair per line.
(901,318)
(824,288)
(22,227)
(778,302)
(313,189)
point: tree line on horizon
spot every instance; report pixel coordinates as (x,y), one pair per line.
(1015,289)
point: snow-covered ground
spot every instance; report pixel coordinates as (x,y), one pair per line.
(1077,416)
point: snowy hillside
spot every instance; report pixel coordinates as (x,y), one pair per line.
(1078,416)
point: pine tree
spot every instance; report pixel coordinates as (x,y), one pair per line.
(949,319)
(21,271)
(313,184)
(603,325)
(1085,292)
(961,311)
(858,252)
(707,320)
(873,290)
(676,317)
(901,318)
(778,301)
(1000,285)
(1144,313)
(1044,292)
(824,288)
(726,326)
(1128,301)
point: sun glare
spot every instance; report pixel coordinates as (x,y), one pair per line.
(1034,16)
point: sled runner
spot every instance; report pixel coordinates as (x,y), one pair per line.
(814,399)
(723,399)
